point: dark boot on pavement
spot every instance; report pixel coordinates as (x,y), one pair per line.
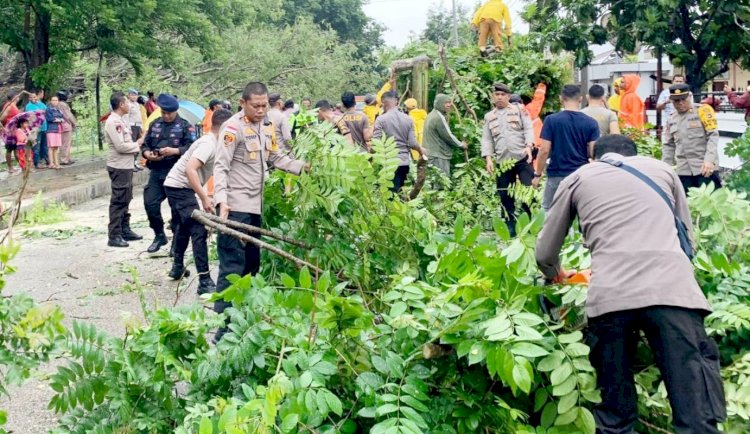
(160,240)
(127,233)
(178,270)
(206,284)
(117,242)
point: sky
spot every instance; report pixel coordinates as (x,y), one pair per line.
(409,17)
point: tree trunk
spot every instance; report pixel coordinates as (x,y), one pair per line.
(99,101)
(39,54)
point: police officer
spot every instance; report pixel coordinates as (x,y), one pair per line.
(122,149)
(247,147)
(356,121)
(691,138)
(508,135)
(643,281)
(281,122)
(167,139)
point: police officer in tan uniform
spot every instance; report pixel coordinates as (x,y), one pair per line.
(247,147)
(122,149)
(508,134)
(691,139)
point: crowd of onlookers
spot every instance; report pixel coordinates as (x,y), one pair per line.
(40,135)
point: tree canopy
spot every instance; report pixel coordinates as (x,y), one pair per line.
(702,36)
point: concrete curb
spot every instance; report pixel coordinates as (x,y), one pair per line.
(13,183)
(85,192)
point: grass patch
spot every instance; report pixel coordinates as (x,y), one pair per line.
(45,214)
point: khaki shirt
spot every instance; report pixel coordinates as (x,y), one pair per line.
(122,148)
(283,129)
(133,118)
(690,139)
(203,149)
(243,156)
(507,133)
(357,123)
(636,257)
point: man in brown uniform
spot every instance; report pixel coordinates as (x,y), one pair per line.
(326,114)
(247,147)
(508,135)
(691,138)
(281,122)
(122,150)
(356,121)
(641,280)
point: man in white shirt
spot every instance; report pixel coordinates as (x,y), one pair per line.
(664,103)
(183,183)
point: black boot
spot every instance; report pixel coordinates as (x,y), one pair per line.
(127,233)
(205,284)
(172,249)
(160,240)
(117,242)
(178,270)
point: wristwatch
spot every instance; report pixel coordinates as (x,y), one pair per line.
(537,175)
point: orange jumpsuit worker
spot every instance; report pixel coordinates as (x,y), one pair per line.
(631,105)
(489,19)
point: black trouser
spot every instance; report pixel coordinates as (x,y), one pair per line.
(687,358)
(696,181)
(153,195)
(235,257)
(135,132)
(122,193)
(523,171)
(183,203)
(399,178)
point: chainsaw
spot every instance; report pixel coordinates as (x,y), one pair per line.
(568,314)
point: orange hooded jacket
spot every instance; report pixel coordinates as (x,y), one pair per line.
(631,105)
(534,108)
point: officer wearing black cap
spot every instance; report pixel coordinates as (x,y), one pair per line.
(167,139)
(691,139)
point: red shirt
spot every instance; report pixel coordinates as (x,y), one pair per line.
(150,107)
(11,113)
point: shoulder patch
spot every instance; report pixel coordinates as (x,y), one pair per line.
(118,128)
(229,139)
(231,128)
(707,117)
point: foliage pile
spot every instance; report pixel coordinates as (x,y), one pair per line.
(409,329)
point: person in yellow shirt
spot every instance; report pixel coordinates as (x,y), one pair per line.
(614,101)
(373,103)
(490,19)
(419,116)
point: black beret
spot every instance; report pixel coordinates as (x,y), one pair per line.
(501,87)
(679,90)
(167,103)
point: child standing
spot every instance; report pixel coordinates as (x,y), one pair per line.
(24,144)
(55,119)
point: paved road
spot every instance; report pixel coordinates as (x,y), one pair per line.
(69,264)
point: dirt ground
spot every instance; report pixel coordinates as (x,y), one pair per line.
(69,264)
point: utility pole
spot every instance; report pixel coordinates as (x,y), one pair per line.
(455,25)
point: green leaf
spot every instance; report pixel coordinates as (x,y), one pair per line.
(206,427)
(305,281)
(290,422)
(570,338)
(561,373)
(551,362)
(334,403)
(585,421)
(528,350)
(521,378)
(385,409)
(577,350)
(567,418)
(367,412)
(567,402)
(565,387)
(229,415)
(288,281)
(549,414)
(305,379)
(540,398)
(414,403)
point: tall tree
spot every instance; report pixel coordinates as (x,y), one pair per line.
(703,36)
(46,33)
(346,17)
(440,25)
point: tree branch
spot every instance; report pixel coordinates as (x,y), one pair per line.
(251,229)
(452,81)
